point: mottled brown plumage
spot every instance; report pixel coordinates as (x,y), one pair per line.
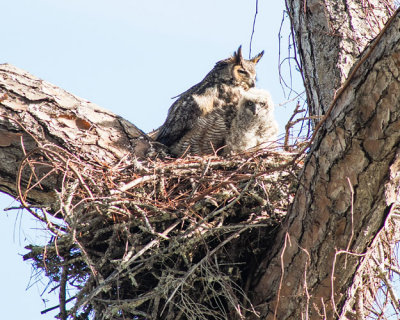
(208,134)
(233,128)
(221,87)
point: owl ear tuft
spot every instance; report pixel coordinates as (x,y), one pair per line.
(237,56)
(257,57)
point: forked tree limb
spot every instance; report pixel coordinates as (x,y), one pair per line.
(360,141)
(35,113)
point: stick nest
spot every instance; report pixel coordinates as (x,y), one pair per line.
(157,238)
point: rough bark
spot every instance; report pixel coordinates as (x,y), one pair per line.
(330,36)
(52,115)
(359,146)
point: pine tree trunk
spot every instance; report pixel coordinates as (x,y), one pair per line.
(330,36)
(350,182)
(357,149)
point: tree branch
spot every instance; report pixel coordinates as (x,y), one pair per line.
(358,142)
(34,113)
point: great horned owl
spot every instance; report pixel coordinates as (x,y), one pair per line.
(221,87)
(233,128)
(254,123)
(208,134)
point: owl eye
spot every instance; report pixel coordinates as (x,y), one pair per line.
(249,103)
(242,71)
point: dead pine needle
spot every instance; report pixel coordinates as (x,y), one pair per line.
(157,237)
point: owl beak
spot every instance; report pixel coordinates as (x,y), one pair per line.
(253,108)
(252,83)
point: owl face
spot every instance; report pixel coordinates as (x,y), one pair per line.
(238,71)
(253,124)
(221,88)
(253,107)
(255,102)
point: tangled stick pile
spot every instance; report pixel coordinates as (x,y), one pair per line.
(157,239)
(173,238)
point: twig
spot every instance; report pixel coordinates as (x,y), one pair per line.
(194,267)
(290,124)
(63,291)
(254,26)
(291,100)
(352,219)
(56,307)
(124,264)
(287,240)
(135,182)
(382,275)
(196,187)
(333,275)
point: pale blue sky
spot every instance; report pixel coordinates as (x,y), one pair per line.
(130,57)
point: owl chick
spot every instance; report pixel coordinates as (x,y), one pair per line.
(254,123)
(233,128)
(221,87)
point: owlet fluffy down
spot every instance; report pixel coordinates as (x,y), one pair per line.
(232,129)
(254,124)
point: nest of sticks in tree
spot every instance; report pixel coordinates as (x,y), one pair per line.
(157,238)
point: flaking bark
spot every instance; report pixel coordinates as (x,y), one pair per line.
(330,35)
(356,149)
(52,115)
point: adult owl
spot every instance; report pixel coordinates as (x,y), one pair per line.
(233,128)
(208,134)
(221,87)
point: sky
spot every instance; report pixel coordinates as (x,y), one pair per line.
(129,57)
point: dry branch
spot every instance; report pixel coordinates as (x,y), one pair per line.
(204,237)
(148,237)
(149,242)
